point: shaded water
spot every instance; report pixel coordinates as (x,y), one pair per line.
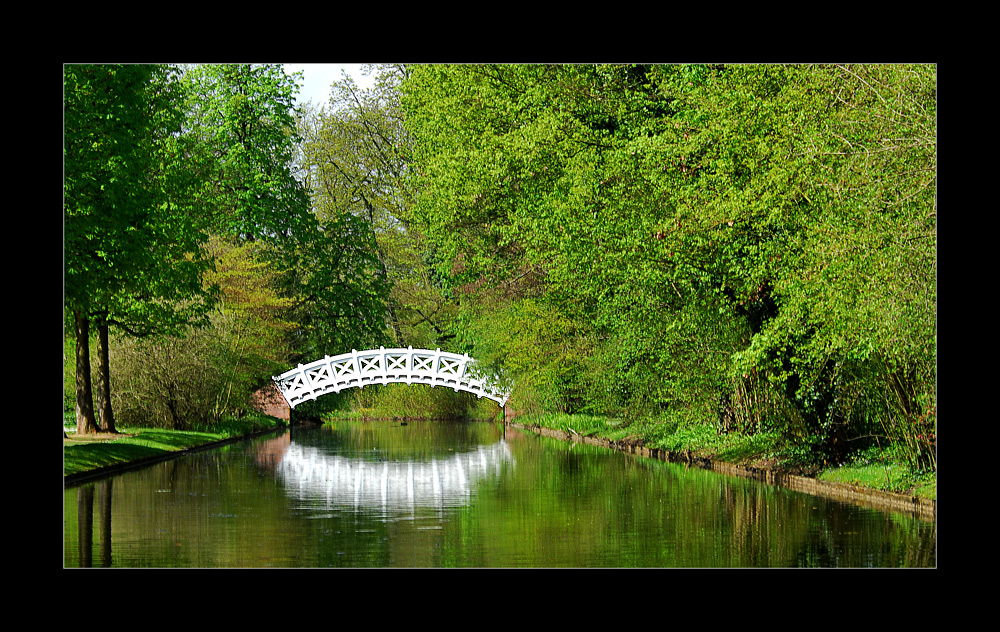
(439,494)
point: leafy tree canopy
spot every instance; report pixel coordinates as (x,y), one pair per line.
(132,226)
(708,223)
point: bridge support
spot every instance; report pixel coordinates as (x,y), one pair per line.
(510,413)
(269,401)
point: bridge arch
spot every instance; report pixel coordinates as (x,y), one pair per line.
(358,369)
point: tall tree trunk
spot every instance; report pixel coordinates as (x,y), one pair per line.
(103,392)
(85,422)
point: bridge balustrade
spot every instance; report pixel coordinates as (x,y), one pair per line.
(358,369)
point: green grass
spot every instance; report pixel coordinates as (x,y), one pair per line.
(883,469)
(145,443)
(584,425)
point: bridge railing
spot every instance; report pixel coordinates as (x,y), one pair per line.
(358,369)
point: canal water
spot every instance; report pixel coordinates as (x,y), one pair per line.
(449,494)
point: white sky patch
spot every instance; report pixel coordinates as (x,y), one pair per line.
(318,78)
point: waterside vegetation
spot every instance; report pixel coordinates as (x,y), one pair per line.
(876,468)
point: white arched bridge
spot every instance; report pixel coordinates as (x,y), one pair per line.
(358,369)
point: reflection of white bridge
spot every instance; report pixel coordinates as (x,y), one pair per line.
(384,366)
(397,487)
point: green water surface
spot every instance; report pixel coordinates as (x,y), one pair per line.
(450,494)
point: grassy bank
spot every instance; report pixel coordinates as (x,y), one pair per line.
(89,453)
(876,468)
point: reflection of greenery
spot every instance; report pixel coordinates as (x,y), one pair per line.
(590,507)
(556,505)
(417,440)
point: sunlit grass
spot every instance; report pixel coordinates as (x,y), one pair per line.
(584,425)
(883,469)
(135,444)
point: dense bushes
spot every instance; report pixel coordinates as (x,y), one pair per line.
(181,382)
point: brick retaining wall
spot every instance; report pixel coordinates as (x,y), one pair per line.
(269,401)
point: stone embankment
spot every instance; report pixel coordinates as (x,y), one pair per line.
(920,507)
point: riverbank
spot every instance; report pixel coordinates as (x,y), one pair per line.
(749,457)
(94,455)
(91,456)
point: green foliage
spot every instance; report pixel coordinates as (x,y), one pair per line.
(748,248)
(339,297)
(209,373)
(355,157)
(132,223)
(132,228)
(856,285)
(539,345)
(243,118)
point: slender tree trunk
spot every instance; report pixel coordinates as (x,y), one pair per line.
(103,392)
(85,422)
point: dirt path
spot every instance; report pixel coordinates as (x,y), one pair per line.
(72,438)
